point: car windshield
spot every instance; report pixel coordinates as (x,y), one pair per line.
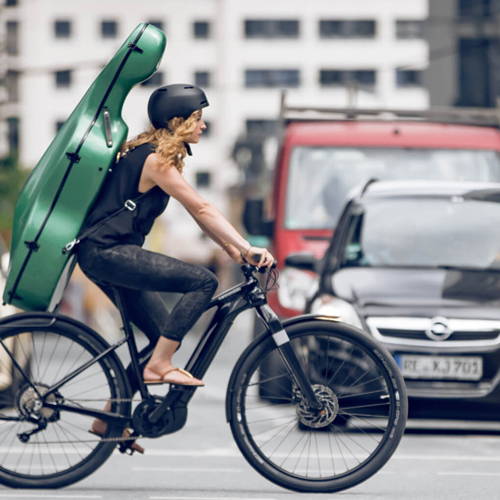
(321,178)
(426,232)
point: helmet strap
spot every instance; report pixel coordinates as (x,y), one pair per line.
(188,149)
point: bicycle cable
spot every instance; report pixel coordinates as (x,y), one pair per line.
(271,280)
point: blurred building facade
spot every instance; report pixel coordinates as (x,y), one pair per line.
(365,53)
(464,48)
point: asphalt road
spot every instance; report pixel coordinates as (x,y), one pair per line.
(202,462)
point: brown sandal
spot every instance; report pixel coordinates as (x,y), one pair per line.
(193,381)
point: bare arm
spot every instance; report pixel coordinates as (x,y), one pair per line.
(211,221)
(205,214)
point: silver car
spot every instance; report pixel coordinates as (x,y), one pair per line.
(417,266)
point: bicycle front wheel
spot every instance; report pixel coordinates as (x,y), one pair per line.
(363,416)
(44,442)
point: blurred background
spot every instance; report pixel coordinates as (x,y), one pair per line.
(363,53)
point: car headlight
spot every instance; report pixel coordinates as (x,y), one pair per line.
(295,287)
(333,306)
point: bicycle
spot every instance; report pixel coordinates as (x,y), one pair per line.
(329,416)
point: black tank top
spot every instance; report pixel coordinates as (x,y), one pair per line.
(128,227)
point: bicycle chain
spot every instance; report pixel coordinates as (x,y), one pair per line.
(104,440)
(111,400)
(81,441)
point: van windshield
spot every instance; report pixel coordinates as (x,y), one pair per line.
(321,178)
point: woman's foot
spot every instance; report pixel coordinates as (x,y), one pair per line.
(171,375)
(99,428)
(160,370)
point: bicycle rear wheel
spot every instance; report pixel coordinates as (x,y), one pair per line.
(61,451)
(361,423)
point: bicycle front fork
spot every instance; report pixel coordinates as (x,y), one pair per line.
(288,355)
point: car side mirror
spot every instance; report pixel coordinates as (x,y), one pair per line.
(304,261)
(253,219)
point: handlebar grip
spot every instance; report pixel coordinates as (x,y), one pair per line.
(263,270)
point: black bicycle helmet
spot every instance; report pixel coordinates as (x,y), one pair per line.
(179,99)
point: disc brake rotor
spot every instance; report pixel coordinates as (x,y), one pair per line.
(314,418)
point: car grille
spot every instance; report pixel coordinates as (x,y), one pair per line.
(415,331)
(455,336)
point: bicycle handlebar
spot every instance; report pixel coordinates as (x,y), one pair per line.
(250,269)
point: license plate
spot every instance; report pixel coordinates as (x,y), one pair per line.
(441,367)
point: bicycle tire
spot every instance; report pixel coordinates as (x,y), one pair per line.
(347,369)
(64,452)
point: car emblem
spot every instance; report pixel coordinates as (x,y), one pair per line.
(439,329)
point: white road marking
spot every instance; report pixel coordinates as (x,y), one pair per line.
(233,453)
(209,452)
(187,469)
(51,496)
(208,498)
(482,474)
(454,458)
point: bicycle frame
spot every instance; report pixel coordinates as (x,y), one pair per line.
(229,304)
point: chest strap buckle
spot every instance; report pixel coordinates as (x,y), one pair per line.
(130,205)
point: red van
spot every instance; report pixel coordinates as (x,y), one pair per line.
(325,153)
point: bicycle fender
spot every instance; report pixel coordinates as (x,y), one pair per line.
(261,338)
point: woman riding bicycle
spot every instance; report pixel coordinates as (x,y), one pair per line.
(111,253)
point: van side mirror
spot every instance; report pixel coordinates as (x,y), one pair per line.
(253,219)
(304,261)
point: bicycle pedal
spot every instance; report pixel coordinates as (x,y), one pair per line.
(129,446)
(126,448)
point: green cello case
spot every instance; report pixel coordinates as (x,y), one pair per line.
(57,196)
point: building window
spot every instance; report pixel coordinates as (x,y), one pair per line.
(261,127)
(158,24)
(476,88)
(12,38)
(154,80)
(202,78)
(409,30)
(476,8)
(109,29)
(272,78)
(58,125)
(13,135)
(12,85)
(203,179)
(201,29)
(62,28)
(63,78)
(332,77)
(339,28)
(409,78)
(271,28)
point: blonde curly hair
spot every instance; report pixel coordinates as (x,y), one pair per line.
(169,142)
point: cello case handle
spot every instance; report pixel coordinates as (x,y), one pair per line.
(107,128)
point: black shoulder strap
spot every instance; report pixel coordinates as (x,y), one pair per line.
(130,204)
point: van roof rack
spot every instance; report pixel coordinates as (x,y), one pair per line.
(462,116)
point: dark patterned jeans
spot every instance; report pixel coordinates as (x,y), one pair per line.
(139,276)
